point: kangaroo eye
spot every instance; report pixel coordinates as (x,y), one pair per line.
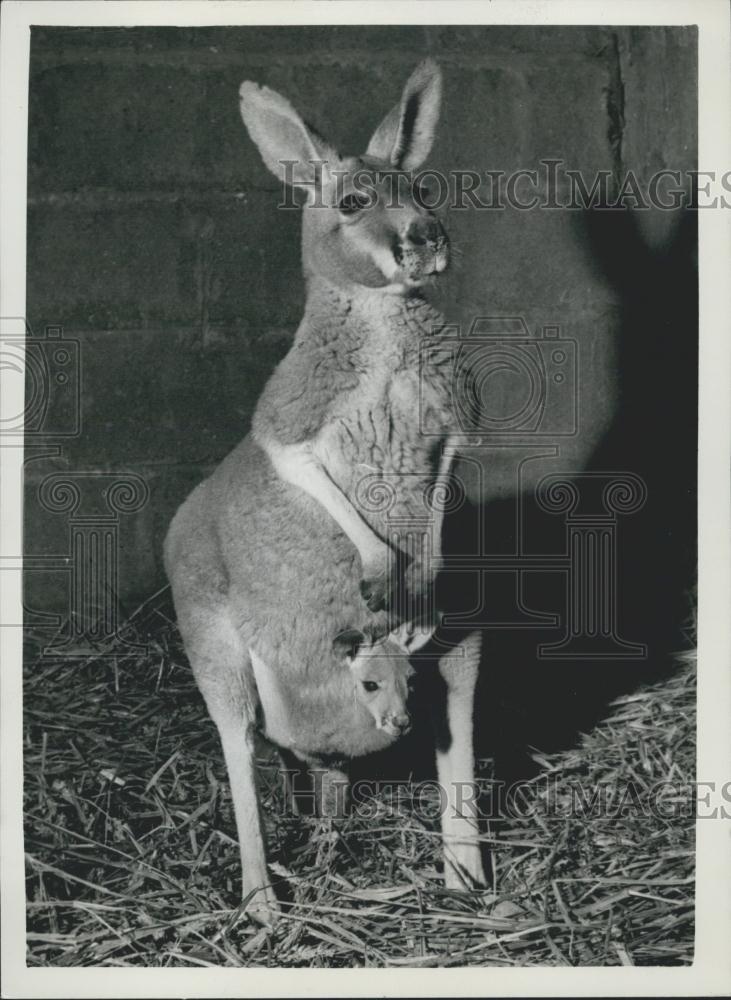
(370,686)
(353,203)
(421,194)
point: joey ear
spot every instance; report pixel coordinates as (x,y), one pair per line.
(281,135)
(405,136)
(347,643)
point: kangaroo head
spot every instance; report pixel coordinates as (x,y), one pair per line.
(382,678)
(365,222)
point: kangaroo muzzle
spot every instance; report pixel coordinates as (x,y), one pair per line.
(423,250)
(395,725)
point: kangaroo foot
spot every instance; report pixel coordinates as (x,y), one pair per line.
(463,868)
(263,908)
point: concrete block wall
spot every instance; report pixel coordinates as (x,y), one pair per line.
(155,241)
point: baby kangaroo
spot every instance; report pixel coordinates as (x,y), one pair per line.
(298,535)
(326,717)
(382,682)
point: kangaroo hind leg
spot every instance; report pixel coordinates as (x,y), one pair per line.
(456,767)
(221,664)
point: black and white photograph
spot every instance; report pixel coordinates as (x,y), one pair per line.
(365,498)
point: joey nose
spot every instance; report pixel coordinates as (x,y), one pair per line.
(402,722)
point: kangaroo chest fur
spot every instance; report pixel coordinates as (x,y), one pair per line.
(365,387)
(383,439)
(377,423)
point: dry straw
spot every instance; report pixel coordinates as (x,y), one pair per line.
(131,859)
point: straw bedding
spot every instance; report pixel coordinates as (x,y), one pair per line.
(131,858)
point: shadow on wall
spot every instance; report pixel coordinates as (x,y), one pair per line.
(653,435)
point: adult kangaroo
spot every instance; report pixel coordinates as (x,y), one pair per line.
(302,530)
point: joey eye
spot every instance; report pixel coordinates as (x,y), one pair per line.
(370,686)
(353,202)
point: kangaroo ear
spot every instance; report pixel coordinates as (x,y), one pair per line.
(282,136)
(405,136)
(347,643)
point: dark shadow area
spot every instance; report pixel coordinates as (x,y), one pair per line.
(524,701)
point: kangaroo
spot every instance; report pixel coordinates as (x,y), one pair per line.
(329,512)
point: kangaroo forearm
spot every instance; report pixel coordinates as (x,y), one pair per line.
(299,465)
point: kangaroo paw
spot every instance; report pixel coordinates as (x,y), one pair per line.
(377,591)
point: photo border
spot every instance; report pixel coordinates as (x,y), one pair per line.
(710,973)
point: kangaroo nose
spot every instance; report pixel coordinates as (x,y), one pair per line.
(420,233)
(416,234)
